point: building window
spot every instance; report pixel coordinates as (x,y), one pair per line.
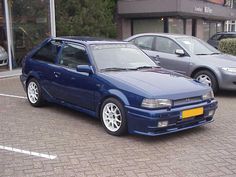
(188,27)
(30,24)
(209,28)
(148,26)
(176,25)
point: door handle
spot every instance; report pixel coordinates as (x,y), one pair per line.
(57,74)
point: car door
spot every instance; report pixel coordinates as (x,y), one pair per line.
(43,63)
(165,52)
(78,88)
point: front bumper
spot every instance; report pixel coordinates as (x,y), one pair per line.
(228,81)
(145,122)
(3,59)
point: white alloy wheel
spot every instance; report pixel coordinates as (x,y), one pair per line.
(112,117)
(205,79)
(33,92)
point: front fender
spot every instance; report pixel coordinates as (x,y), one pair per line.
(112,93)
(32,74)
(120,95)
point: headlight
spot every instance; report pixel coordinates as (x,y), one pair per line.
(208,96)
(232,70)
(156,103)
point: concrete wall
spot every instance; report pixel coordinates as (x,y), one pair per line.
(1,13)
(155,8)
(126,28)
(139,8)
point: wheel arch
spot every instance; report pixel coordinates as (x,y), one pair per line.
(30,76)
(196,70)
(116,94)
(211,71)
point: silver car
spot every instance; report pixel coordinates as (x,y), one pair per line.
(3,56)
(190,56)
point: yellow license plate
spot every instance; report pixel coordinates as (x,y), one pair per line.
(192,113)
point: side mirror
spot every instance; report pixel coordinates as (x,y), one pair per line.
(180,52)
(84,69)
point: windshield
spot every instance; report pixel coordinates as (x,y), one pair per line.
(196,46)
(120,57)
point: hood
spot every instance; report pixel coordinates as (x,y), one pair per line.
(222,60)
(156,83)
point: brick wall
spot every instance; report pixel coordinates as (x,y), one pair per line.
(1,14)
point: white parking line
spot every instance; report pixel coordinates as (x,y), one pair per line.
(12,96)
(46,156)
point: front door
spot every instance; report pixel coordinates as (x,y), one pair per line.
(164,51)
(78,88)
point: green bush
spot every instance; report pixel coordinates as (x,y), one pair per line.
(228,46)
(86,18)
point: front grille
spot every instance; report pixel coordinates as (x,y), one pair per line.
(185,101)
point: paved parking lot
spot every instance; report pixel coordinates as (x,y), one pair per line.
(56,141)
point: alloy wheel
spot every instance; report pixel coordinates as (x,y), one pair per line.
(205,79)
(112,117)
(33,93)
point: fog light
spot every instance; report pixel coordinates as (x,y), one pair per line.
(211,113)
(162,124)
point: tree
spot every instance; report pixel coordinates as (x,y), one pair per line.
(86,18)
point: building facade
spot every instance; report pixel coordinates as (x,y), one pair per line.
(201,18)
(23,24)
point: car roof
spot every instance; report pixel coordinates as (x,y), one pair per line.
(170,35)
(88,40)
(225,32)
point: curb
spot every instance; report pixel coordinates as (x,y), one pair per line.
(9,76)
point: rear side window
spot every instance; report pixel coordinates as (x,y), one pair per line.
(216,37)
(48,53)
(144,42)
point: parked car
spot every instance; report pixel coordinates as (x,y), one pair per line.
(116,82)
(3,56)
(215,39)
(190,56)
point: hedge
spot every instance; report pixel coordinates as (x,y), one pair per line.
(228,46)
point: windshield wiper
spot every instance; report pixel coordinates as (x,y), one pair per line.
(215,53)
(115,69)
(147,67)
(202,54)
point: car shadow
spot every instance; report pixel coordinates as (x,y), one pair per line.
(96,123)
(225,93)
(172,136)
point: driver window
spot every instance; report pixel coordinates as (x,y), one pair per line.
(166,45)
(73,55)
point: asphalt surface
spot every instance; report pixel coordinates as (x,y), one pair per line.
(56,141)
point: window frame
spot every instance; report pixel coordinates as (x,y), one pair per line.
(216,37)
(173,42)
(43,45)
(153,42)
(72,43)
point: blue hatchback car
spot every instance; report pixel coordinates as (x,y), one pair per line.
(117,83)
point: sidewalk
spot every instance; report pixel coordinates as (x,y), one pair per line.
(14,72)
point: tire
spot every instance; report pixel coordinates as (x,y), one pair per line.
(208,78)
(34,93)
(113,117)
